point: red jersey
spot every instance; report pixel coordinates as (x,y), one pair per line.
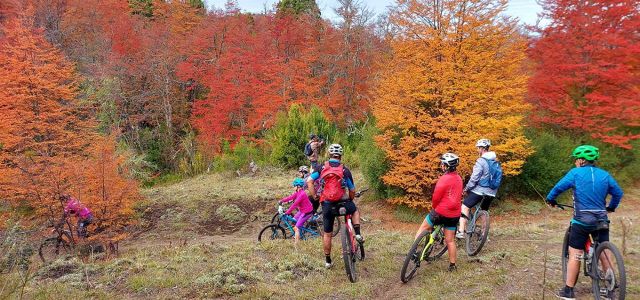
(447,195)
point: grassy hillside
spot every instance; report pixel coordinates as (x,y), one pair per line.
(198,240)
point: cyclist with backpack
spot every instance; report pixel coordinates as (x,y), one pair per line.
(446,204)
(485,181)
(300,202)
(336,184)
(590,185)
(311,150)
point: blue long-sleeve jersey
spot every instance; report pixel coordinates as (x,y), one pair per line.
(590,185)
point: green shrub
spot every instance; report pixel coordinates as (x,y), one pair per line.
(291,132)
(373,163)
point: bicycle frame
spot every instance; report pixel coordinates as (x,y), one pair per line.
(471,226)
(290,222)
(432,239)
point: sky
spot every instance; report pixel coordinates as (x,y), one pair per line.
(525,10)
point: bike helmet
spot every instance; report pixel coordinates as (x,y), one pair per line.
(450,159)
(483,143)
(298,182)
(587,152)
(303,169)
(335,149)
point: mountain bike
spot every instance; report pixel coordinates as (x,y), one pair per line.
(352,249)
(603,263)
(318,222)
(427,247)
(285,224)
(61,243)
(477,229)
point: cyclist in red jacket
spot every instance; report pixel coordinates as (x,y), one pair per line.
(446,204)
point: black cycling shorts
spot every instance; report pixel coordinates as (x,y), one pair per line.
(434,218)
(330,211)
(473,199)
(578,235)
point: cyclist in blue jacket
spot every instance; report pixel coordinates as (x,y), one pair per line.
(590,185)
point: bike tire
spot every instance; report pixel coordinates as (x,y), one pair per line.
(272,232)
(53,247)
(414,257)
(348,255)
(477,237)
(565,254)
(275,219)
(360,251)
(609,284)
(439,246)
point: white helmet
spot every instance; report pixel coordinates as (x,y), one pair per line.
(449,159)
(483,143)
(303,169)
(335,149)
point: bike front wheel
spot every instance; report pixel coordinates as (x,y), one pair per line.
(479,231)
(348,255)
(609,278)
(272,232)
(53,247)
(414,257)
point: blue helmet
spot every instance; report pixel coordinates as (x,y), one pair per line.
(298,182)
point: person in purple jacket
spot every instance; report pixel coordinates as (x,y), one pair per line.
(300,202)
(74,207)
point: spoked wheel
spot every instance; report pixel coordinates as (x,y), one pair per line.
(478,234)
(359,251)
(439,246)
(337,224)
(412,261)
(53,247)
(349,255)
(565,254)
(609,280)
(272,232)
(275,219)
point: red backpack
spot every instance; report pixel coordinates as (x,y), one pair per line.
(331,178)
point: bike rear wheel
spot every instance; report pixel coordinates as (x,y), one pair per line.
(348,255)
(609,278)
(272,232)
(478,233)
(412,261)
(53,247)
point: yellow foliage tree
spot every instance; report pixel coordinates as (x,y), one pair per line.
(454,75)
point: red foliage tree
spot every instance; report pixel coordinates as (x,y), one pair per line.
(587,69)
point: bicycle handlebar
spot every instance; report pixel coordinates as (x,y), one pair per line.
(562,206)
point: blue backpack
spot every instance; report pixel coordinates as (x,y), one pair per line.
(307,149)
(495,175)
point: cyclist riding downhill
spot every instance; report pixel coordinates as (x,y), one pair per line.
(301,203)
(590,185)
(312,149)
(74,207)
(446,204)
(336,184)
(484,182)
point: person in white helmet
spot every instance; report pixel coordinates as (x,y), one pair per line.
(337,186)
(474,189)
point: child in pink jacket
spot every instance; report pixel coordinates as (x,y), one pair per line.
(300,202)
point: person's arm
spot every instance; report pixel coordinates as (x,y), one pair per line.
(311,191)
(475,175)
(296,203)
(616,194)
(287,199)
(564,184)
(351,186)
(438,193)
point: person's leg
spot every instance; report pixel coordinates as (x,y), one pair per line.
(327,220)
(573,266)
(351,208)
(449,237)
(470,201)
(463,221)
(425,226)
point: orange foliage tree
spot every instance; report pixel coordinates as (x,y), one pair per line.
(454,75)
(42,126)
(103,185)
